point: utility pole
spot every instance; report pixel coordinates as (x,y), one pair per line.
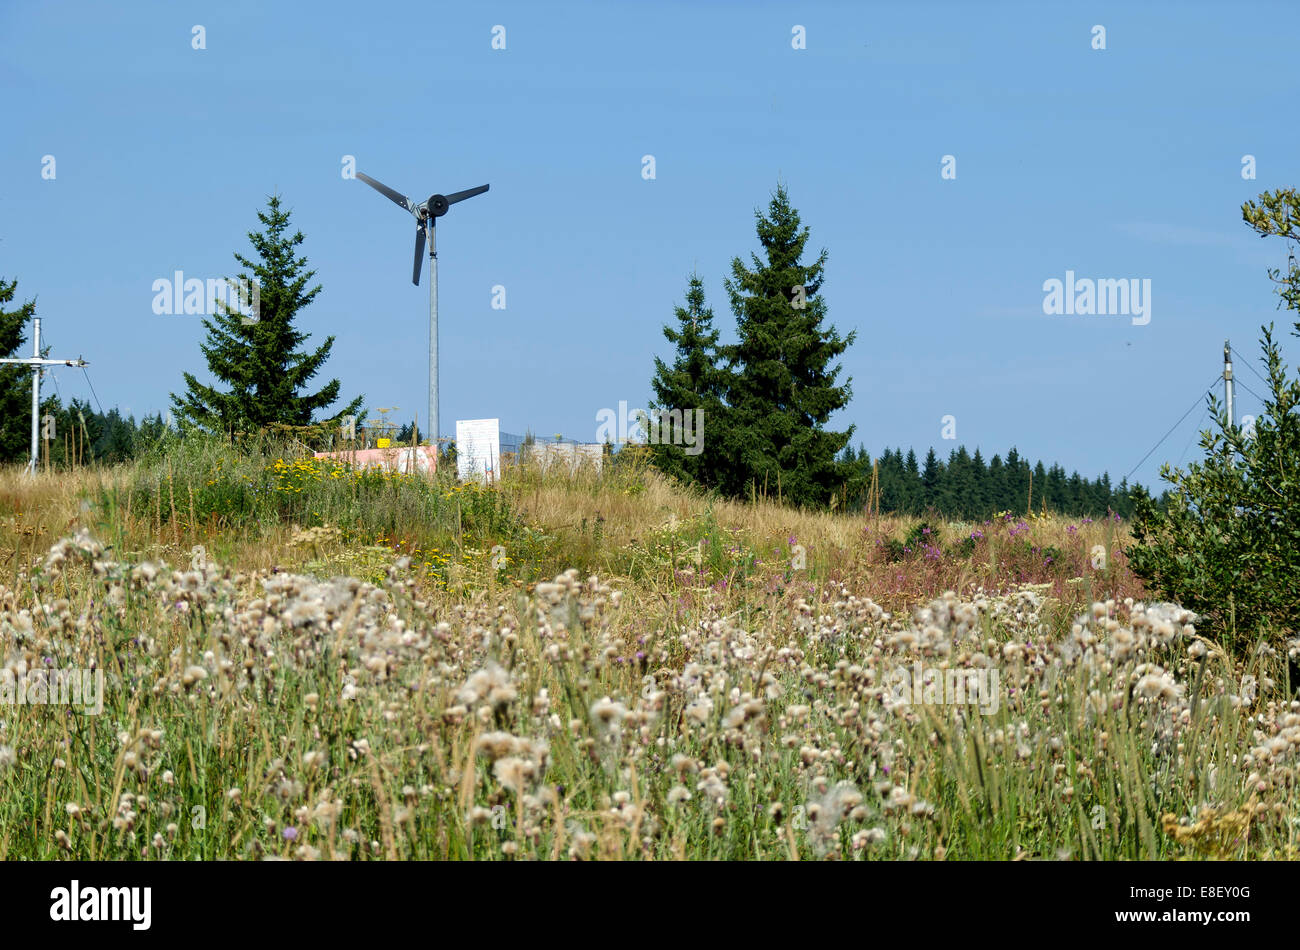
(36,362)
(1227,382)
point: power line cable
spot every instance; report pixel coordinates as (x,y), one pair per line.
(1251,391)
(53,377)
(92,391)
(1249,364)
(88,383)
(1195,433)
(1175,425)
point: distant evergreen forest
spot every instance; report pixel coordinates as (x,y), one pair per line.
(965,486)
(82,436)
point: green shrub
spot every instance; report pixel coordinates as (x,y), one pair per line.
(965,548)
(1227,544)
(894,550)
(922,534)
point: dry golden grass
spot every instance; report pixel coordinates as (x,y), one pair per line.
(559,500)
(636,502)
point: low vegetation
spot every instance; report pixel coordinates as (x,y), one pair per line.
(301,661)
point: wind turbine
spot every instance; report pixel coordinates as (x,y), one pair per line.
(426,215)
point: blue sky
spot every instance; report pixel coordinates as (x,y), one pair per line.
(1116,163)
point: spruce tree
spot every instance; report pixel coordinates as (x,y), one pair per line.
(978,506)
(1075,499)
(1017,480)
(15,380)
(117,441)
(912,493)
(997,486)
(893,484)
(1123,498)
(958,483)
(780,386)
(1105,495)
(692,384)
(260,360)
(1038,485)
(931,482)
(857,479)
(1056,482)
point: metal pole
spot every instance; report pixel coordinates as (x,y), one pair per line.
(36,363)
(1227,382)
(36,392)
(433,335)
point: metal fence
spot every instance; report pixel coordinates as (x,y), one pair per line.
(571,452)
(514,443)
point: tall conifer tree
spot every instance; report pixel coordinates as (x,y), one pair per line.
(692,384)
(260,361)
(781,387)
(15,380)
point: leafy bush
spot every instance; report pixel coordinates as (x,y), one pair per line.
(964,548)
(894,550)
(1228,543)
(922,539)
(922,534)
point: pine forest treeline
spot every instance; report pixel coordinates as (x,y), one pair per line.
(966,486)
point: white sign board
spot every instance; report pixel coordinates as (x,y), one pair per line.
(478,449)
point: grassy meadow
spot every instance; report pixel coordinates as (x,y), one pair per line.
(305,662)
